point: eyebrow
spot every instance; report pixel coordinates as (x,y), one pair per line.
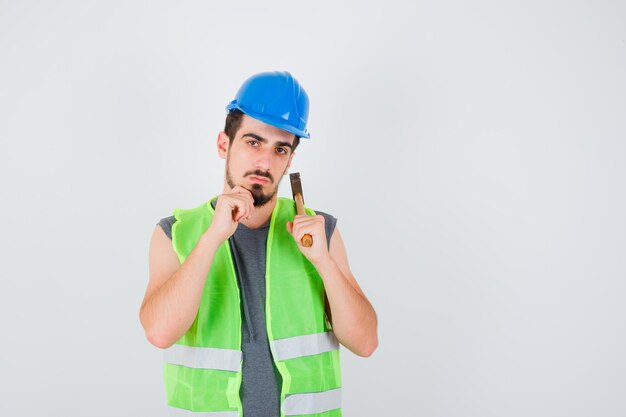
(263,140)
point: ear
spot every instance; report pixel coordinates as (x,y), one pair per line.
(222,144)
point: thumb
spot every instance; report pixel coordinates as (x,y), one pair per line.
(290,227)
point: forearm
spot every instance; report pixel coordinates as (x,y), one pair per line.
(170,310)
(353,317)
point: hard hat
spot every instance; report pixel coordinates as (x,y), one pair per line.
(275,98)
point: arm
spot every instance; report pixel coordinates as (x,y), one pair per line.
(353,317)
(174,291)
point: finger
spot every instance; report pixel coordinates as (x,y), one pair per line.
(290,227)
(238,214)
(246,207)
(238,189)
(239,206)
(311,227)
(247,194)
(299,230)
(303,239)
(308,222)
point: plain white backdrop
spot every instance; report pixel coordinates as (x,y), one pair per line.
(473,153)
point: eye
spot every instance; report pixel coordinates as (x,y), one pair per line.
(281,151)
(253,143)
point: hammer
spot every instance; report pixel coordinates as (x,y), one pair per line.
(296,189)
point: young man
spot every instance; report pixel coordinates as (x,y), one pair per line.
(249,318)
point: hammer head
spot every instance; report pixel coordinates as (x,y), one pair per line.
(296,185)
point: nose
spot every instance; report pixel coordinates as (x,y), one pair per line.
(263,161)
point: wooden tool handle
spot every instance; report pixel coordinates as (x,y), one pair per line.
(307,239)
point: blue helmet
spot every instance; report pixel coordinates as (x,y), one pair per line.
(275,98)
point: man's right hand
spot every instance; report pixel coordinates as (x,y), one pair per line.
(231,208)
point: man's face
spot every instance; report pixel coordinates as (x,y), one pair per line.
(258,157)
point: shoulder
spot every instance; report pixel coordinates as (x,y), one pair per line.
(328,217)
(330,222)
(166,224)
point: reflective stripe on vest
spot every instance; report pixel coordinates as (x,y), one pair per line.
(179,412)
(312,402)
(312,344)
(204,358)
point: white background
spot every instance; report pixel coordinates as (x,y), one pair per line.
(473,153)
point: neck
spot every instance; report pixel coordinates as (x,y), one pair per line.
(260,215)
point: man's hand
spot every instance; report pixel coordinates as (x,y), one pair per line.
(313,225)
(231,208)
(353,318)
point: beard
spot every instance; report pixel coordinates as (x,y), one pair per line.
(258,195)
(261,198)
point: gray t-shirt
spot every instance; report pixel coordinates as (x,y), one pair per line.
(260,388)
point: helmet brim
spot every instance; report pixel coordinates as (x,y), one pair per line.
(273,121)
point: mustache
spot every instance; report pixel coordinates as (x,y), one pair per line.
(260,173)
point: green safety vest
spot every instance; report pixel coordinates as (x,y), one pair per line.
(202,369)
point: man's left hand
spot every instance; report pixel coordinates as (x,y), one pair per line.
(314,226)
